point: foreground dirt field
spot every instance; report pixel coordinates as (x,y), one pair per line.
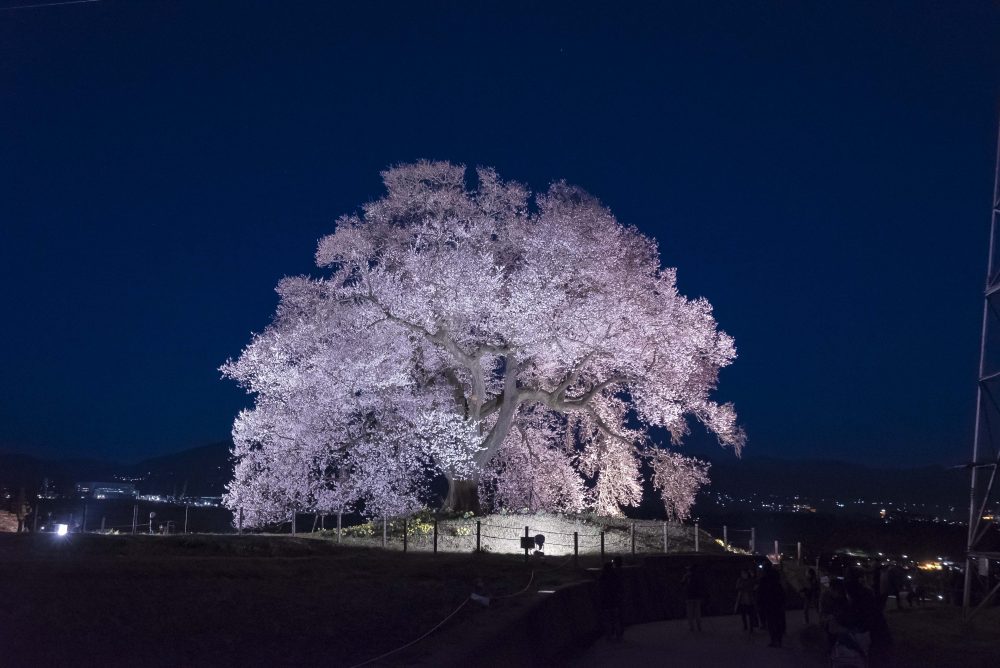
(236,601)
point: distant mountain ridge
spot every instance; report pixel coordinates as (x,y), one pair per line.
(200,471)
(204,471)
(819,479)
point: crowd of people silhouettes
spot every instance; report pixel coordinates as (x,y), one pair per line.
(847,609)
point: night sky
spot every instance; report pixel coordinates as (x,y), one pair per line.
(822,174)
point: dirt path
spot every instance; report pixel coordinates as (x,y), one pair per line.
(721,643)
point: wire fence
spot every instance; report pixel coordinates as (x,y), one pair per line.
(550,534)
(127,516)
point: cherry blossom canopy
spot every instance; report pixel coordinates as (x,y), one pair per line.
(520,346)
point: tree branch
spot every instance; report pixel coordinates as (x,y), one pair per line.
(441,338)
(458,392)
(602,425)
(594,391)
(571,377)
(555,402)
(507,409)
(491,406)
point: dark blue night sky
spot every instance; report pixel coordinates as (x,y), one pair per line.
(821,172)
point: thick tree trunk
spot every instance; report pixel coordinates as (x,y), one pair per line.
(463,496)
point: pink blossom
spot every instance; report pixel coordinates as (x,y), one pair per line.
(523,345)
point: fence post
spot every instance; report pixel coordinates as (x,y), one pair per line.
(83,526)
(102,523)
(187,507)
(340,516)
(776,553)
(576,548)
(725,535)
(602,547)
(404,536)
(478,536)
(241,521)
(526,549)
(435,536)
(293,522)
(753,540)
(135,517)
(798,552)
(384,524)
(697,543)
(633,538)
(664,538)
(34,521)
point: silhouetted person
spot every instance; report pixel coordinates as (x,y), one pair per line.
(866,615)
(918,593)
(894,584)
(810,593)
(745,601)
(847,625)
(833,607)
(694,593)
(755,574)
(610,585)
(771,601)
(21,510)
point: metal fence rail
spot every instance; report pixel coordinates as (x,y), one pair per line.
(507,534)
(494,533)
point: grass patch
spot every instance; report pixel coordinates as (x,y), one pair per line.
(937,636)
(237,600)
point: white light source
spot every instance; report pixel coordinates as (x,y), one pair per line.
(62,529)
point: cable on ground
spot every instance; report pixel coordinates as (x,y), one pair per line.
(414,642)
(518,593)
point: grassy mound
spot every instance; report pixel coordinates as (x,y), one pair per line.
(501,533)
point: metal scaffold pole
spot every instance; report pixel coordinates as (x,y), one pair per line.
(985,454)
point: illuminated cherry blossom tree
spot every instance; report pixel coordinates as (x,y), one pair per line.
(520,346)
